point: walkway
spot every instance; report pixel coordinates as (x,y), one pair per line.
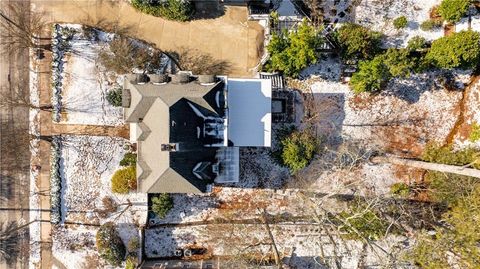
(230,38)
(95,130)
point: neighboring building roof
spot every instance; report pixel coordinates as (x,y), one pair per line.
(249,112)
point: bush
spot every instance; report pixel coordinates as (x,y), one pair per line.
(400,189)
(457,50)
(458,237)
(453,10)
(109,244)
(417,43)
(129,159)
(298,149)
(448,188)
(400,22)
(131,263)
(133,245)
(162,204)
(290,52)
(372,76)
(431,24)
(124,180)
(176,10)
(365,222)
(475,133)
(124,54)
(109,205)
(114,97)
(358,42)
(447,155)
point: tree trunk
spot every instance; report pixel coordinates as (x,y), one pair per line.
(445,168)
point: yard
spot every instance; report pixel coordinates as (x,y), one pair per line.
(232,220)
(80,82)
(87,164)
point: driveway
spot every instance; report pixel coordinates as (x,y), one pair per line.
(229,38)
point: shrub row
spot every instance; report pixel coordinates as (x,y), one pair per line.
(55,183)
(60,44)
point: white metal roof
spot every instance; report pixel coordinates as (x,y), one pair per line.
(249,112)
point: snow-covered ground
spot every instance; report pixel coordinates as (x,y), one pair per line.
(34,200)
(379,15)
(88,162)
(83,83)
(303,245)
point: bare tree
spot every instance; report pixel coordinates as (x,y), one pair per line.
(125,54)
(21,28)
(19,97)
(199,63)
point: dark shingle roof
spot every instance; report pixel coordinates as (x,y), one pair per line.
(173,113)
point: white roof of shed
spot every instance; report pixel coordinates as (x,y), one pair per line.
(249,112)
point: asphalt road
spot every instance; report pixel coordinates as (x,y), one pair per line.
(14,146)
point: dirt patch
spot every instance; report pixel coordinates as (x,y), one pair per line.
(404,141)
(449,29)
(361,101)
(408,174)
(462,127)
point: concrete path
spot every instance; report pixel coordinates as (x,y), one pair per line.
(94,130)
(229,38)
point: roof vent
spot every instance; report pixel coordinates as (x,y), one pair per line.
(169,147)
(141,78)
(206,79)
(181,78)
(159,79)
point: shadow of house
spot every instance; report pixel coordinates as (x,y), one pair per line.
(329,116)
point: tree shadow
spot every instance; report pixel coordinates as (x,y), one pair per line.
(7,184)
(208,10)
(190,59)
(411,89)
(108,25)
(12,240)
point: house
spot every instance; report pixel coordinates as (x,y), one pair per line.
(188,129)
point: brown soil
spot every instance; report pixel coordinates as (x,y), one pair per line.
(408,174)
(449,29)
(461,127)
(434,13)
(361,101)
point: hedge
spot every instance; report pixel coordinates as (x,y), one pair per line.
(176,10)
(60,44)
(55,183)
